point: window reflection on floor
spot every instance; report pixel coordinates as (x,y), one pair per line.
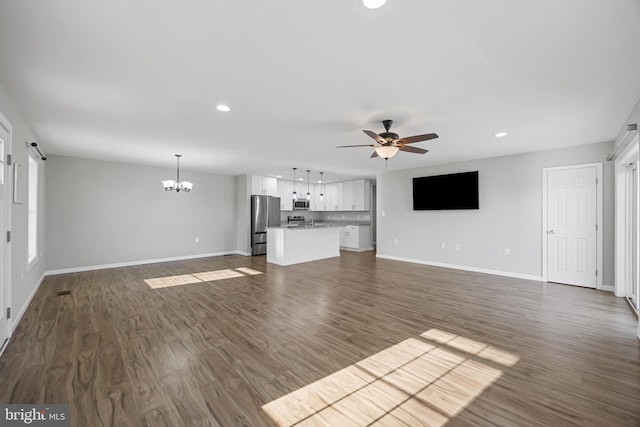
(419,381)
(206,276)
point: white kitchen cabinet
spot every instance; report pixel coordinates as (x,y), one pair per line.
(356,238)
(334,196)
(357,195)
(264,185)
(317,203)
(285,192)
(338,196)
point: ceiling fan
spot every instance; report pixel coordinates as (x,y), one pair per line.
(390,143)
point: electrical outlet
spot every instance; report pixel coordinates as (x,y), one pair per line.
(395,241)
(507,251)
(457,246)
(382,213)
(197,240)
(443,245)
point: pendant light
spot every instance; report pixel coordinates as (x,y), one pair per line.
(308,193)
(321,187)
(295,195)
(170,185)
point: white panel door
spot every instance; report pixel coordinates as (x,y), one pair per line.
(4,226)
(571,226)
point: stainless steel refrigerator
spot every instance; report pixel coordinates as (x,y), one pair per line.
(265,212)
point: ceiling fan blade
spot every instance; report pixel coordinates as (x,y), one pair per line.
(412,149)
(359,145)
(417,138)
(375,154)
(375,136)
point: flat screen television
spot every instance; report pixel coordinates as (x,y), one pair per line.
(446,192)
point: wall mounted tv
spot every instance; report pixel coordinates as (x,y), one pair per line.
(446,192)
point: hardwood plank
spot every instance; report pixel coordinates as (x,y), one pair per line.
(352,340)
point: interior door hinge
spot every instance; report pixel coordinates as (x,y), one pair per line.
(8,236)
(596,227)
(596,273)
(8,312)
(9,159)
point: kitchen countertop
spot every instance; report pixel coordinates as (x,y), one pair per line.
(309,226)
(324,224)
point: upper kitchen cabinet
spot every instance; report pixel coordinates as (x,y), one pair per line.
(357,195)
(285,192)
(317,202)
(338,196)
(334,196)
(264,185)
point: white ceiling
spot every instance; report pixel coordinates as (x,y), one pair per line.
(138,81)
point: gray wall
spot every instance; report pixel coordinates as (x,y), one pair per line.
(101,213)
(24,281)
(510,213)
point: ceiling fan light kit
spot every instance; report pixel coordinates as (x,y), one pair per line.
(373,4)
(387,151)
(177,185)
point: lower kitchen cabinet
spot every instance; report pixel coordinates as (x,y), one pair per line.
(356,238)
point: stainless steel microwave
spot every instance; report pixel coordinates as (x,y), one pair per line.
(301,204)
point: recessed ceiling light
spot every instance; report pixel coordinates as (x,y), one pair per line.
(319,181)
(373,4)
(500,134)
(224,108)
(300,179)
(278,176)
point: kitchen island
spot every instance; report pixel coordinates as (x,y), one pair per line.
(293,245)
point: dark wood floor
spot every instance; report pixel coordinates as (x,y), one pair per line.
(354,340)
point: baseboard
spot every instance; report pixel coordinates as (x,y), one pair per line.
(356,249)
(132,263)
(242,253)
(463,267)
(23,309)
(608,288)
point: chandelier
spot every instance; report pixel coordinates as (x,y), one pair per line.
(177,185)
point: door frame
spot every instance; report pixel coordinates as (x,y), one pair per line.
(621,250)
(5,262)
(599,242)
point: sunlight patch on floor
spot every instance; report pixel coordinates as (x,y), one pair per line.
(207,276)
(470,346)
(415,382)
